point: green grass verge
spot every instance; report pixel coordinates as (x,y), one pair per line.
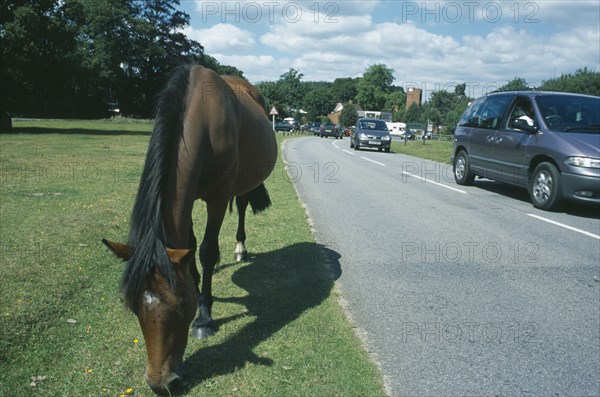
(431,149)
(64,185)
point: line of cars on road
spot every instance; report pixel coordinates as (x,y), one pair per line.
(368,133)
(546,142)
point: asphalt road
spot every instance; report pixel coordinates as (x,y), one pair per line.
(456,290)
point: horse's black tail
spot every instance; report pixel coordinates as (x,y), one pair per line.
(258,198)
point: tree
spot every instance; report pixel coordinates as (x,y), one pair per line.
(38,58)
(67,58)
(413,114)
(290,88)
(441,102)
(324,120)
(583,81)
(269,91)
(444,108)
(516,84)
(318,102)
(349,116)
(395,101)
(104,43)
(158,46)
(460,90)
(344,89)
(212,63)
(374,86)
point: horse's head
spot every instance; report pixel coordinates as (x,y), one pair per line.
(164,311)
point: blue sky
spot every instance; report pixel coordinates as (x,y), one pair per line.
(430,44)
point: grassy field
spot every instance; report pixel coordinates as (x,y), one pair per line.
(65,185)
(430,149)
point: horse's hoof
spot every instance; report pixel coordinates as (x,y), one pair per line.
(202,332)
(241,256)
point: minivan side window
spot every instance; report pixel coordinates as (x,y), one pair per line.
(522,110)
(468,118)
(490,113)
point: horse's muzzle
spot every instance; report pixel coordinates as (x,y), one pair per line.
(164,387)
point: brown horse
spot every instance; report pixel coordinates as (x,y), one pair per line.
(212,140)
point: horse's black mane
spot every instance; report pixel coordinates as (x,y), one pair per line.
(147,234)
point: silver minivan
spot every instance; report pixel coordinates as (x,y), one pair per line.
(547,142)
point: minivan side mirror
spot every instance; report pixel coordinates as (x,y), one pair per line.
(521,124)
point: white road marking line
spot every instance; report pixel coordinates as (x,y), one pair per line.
(349,152)
(372,161)
(574,229)
(435,183)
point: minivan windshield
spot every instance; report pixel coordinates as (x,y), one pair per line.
(570,113)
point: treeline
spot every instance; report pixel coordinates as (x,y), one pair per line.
(375,90)
(74,58)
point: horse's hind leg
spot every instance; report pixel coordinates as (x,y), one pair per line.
(241,254)
(193,243)
(203,326)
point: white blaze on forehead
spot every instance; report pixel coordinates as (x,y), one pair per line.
(150,299)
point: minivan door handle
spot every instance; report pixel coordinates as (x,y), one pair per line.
(498,140)
(489,138)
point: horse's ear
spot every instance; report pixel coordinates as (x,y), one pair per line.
(122,251)
(178,256)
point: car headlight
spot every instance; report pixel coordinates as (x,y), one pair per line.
(363,136)
(586,162)
(386,138)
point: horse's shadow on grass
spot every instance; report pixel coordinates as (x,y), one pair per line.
(281,285)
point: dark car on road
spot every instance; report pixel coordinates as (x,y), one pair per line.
(330,130)
(371,133)
(547,142)
(408,135)
(283,126)
(313,127)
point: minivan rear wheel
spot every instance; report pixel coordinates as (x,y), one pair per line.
(544,186)
(462,170)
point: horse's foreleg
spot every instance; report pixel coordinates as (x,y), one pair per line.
(241,254)
(203,326)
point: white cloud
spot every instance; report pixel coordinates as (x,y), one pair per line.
(222,37)
(533,40)
(255,67)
